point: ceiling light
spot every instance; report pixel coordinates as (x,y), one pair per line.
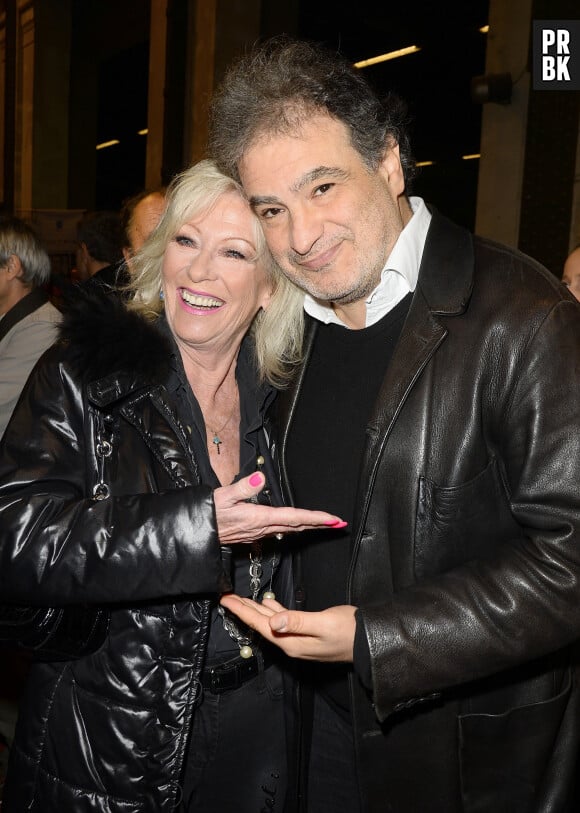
(471,157)
(142,132)
(484,29)
(424,163)
(411,49)
(108,144)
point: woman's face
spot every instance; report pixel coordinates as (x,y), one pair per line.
(213,284)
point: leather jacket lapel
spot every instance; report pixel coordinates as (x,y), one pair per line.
(421,336)
(444,288)
(286,405)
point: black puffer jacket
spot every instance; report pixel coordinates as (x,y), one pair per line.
(107,732)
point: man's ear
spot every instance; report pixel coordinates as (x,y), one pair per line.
(14,267)
(392,170)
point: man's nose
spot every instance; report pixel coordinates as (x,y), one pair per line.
(306,228)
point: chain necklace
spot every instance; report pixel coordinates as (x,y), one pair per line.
(244,639)
(216,440)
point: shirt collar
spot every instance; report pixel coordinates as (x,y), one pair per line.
(398,277)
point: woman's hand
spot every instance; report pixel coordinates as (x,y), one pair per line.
(241,521)
(323,636)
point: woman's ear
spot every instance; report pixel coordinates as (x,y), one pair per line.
(267,296)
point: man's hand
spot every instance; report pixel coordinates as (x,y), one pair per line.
(324,636)
(241,521)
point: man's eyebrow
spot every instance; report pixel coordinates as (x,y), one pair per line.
(263,200)
(309,177)
(317,173)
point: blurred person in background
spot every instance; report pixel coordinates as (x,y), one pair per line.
(139,216)
(99,256)
(571,272)
(28,320)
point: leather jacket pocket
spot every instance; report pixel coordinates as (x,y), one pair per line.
(505,758)
(458,523)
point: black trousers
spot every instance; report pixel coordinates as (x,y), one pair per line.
(237,760)
(332,781)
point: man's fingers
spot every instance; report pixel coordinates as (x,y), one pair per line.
(270,612)
(294,623)
(272,604)
(246,609)
(321,636)
(279,623)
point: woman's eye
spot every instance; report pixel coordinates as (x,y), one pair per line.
(248,256)
(184,240)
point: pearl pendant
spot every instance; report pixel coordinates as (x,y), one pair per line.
(246,652)
(269,594)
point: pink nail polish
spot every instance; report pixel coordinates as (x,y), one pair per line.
(337,523)
(256,479)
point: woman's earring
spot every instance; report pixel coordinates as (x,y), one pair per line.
(161,295)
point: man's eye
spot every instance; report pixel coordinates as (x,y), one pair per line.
(323,188)
(270,212)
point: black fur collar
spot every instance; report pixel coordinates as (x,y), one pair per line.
(105,338)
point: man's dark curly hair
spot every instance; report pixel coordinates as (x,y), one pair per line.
(281,83)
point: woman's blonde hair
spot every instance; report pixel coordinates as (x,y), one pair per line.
(278,329)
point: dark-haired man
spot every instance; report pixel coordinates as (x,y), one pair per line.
(99,254)
(436,408)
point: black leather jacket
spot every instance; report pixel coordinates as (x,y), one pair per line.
(94,467)
(466,559)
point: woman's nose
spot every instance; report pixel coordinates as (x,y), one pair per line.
(201,267)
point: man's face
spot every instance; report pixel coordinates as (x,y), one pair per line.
(81,262)
(12,289)
(330,222)
(571,275)
(146,216)
(5,288)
